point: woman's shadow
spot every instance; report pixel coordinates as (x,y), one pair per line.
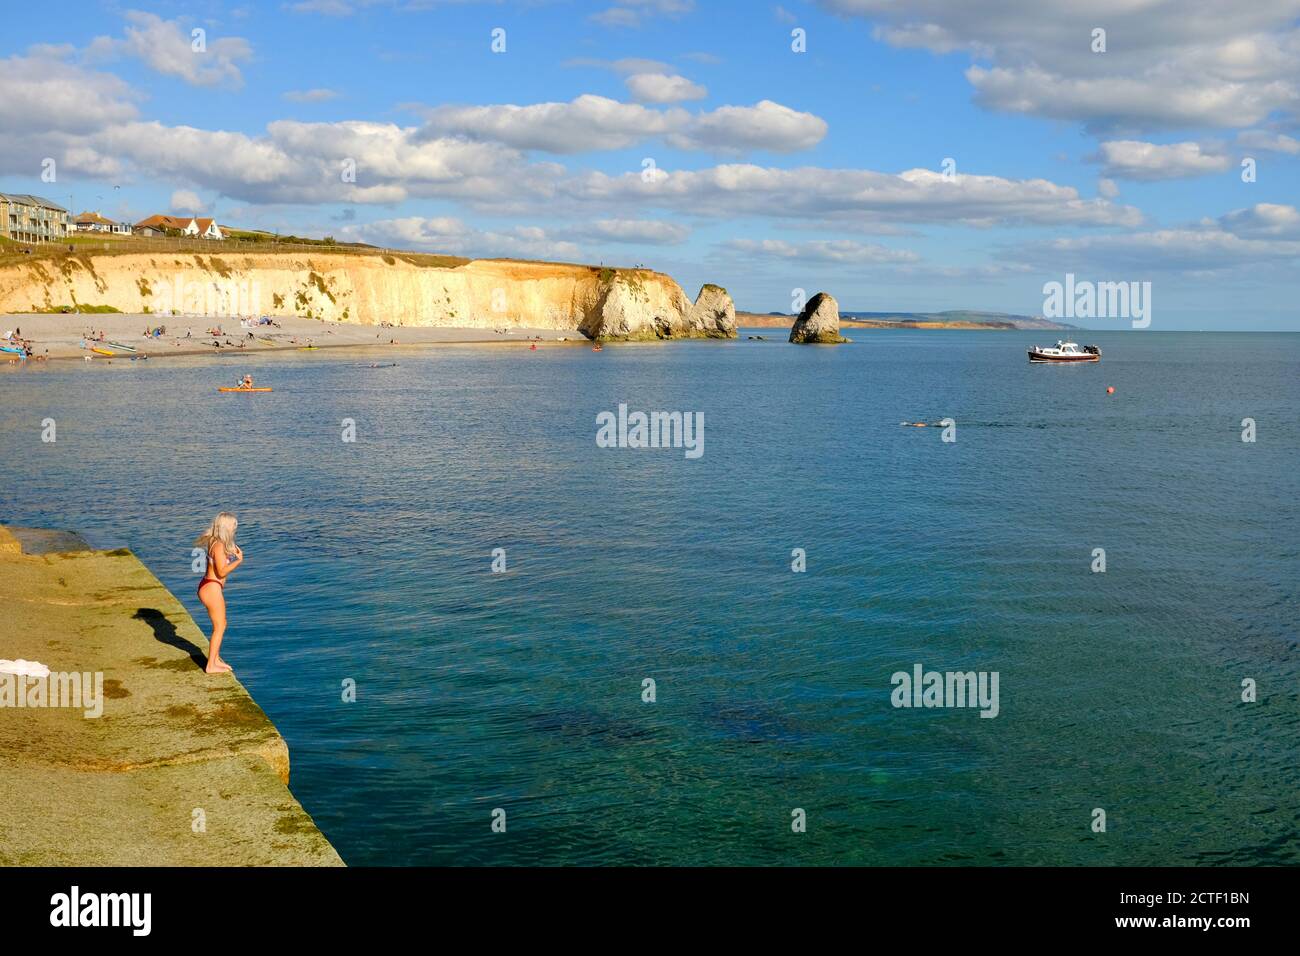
(164,631)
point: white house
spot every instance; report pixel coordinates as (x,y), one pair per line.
(185,225)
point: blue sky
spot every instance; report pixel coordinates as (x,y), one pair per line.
(774,170)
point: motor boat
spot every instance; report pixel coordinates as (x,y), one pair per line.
(1065,352)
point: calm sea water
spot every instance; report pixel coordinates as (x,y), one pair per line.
(522,690)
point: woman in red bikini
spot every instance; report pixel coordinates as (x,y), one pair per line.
(223,557)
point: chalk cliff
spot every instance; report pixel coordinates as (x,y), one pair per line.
(369,289)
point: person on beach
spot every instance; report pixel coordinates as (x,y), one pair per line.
(223,557)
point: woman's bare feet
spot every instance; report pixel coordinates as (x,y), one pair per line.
(218,667)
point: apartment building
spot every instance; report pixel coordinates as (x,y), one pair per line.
(25,218)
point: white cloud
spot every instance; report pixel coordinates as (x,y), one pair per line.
(662,88)
(1270,142)
(653,232)
(1166,65)
(450,235)
(186,200)
(1263,221)
(843,251)
(329,8)
(51,51)
(44,95)
(625,67)
(633,13)
(1192,250)
(738,129)
(586,123)
(89,122)
(304,163)
(1115,101)
(592,122)
(318,95)
(57,106)
(1149,162)
(855,197)
(1107,188)
(167,47)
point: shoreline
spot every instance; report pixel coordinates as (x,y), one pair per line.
(139,758)
(58,336)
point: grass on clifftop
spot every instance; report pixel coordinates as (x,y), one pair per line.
(83,247)
(81,307)
(241,242)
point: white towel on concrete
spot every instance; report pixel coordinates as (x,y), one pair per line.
(24,668)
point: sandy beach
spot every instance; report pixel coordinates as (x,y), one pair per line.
(61,335)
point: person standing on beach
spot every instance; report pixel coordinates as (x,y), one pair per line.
(223,557)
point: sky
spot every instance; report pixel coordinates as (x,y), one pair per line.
(909,155)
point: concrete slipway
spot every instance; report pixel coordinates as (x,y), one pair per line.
(173,745)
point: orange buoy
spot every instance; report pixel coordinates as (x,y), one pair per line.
(1110,389)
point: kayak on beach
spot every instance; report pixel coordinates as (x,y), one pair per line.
(124,348)
(260,388)
(103,352)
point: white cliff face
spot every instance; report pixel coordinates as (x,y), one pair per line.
(634,308)
(369,289)
(819,322)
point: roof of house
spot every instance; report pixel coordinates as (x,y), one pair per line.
(165,222)
(204,224)
(96,218)
(26,199)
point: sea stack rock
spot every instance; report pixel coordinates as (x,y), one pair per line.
(714,314)
(819,322)
(637,304)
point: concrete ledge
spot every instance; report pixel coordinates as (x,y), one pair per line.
(122,788)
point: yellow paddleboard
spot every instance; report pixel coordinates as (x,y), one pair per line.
(258,389)
(103,352)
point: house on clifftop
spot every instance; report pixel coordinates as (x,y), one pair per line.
(94,222)
(188,226)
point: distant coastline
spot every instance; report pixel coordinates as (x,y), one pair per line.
(956,319)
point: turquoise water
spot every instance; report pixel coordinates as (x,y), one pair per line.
(371,561)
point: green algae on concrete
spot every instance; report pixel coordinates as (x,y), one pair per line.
(181,768)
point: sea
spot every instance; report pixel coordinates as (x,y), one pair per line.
(490,639)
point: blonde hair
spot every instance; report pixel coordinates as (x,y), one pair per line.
(221,530)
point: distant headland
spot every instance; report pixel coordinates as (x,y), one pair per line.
(954,319)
